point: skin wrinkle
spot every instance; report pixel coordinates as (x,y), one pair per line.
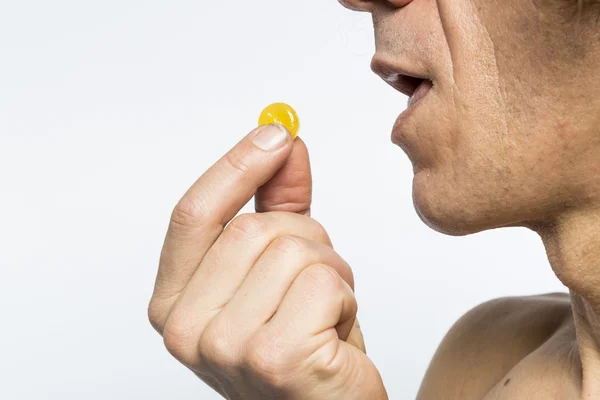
(447,33)
(497,86)
(588,344)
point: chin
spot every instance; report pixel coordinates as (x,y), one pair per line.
(447,209)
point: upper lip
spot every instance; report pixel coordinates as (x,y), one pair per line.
(401,79)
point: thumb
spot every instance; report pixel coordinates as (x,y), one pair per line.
(290,189)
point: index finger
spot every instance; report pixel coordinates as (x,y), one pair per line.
(213,200)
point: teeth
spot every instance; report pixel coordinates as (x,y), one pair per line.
(391,78)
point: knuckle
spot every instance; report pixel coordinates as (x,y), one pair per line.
(249,225)
(237,162)
(321,232)
(270,361)
(177,339)
(191,211)
(155,314)
(324,278)
(288,244)
(217,348)
(347,274)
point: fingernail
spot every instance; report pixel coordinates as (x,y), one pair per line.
(271,137)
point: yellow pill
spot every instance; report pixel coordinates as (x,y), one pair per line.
(282,114)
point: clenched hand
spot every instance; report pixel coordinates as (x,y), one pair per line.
(260,306)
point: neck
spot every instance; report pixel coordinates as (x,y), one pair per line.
(573,246)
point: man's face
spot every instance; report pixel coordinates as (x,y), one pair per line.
(504,134)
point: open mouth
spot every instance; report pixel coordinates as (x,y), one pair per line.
(411,85)
(420,92)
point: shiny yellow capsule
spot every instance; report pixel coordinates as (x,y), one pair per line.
(283,114)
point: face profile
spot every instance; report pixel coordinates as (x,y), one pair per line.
(498,110)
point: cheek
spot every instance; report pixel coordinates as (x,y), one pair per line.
(485,179)
(468,171)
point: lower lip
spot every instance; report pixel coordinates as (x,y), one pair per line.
(397,137)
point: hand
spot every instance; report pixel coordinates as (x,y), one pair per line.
(260,307)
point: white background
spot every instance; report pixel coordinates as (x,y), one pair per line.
(110,110)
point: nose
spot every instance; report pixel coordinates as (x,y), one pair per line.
(358,5)
(367,5)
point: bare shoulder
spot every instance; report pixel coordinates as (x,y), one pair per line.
(488,341)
